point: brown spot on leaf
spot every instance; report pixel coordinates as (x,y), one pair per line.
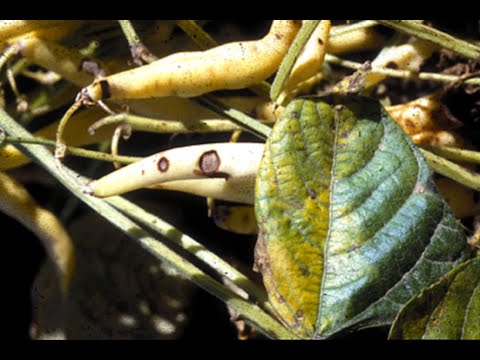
(304,271)
(320,41)
(163,164)
(311,193)
(300,315)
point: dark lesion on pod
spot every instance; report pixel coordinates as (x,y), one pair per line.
(208,165)
(163,164)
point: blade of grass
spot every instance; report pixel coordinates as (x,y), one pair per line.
(292,55)
(192,246)
(451,170)
(454,153)
(424,32)
(248,123)
(251,313)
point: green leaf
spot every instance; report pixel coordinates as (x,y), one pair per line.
(351,223)
(447,310)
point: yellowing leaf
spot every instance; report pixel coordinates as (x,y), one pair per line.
(351,223)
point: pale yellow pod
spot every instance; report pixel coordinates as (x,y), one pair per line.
(439,138)
(310,60)
(239,189)
(76,134)
(236,219)
(15,201)
(230,66)
(364,39)
(423,114)
(460,198)
(408,56)
(236,162)
(57,58)
(10,29)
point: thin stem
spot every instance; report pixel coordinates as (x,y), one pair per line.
(435,36)
(139,51)
(61,146)
(129,32)
(141,123)
(454,153)
(191,245)
(249,312)
(246,122)
(7,54)
(197,34)
(90,154)
(344,29)
(401,73)
(453,171)
(293,53)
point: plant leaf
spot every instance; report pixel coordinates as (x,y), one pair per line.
(448,310)
(351,223)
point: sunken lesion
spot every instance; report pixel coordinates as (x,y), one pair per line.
(163,164)
(209,165)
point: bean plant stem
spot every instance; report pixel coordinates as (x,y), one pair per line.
(90,154)
(332,59)
(424,32)
(248,311)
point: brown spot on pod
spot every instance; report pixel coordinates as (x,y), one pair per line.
(391,65)
(163,164)
(209,163)
(105,86)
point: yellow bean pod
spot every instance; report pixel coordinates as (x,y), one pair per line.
(439,138)
(423,114)
(76,135)
(12,29)
(236,189)
(232,163)
(236,219)
(408,56)
(460,198)
(15,201)
(230,66)
(364,39)
(310,60)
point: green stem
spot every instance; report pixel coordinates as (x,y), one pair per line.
(344,29)
(139,51)
(292,55)
(454,153)
(90,154)
(251,313)
(197,34)
(246,122)
(141,123)
(451,170)
(191,245)
(435,36)
(129,32)
(332,59)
